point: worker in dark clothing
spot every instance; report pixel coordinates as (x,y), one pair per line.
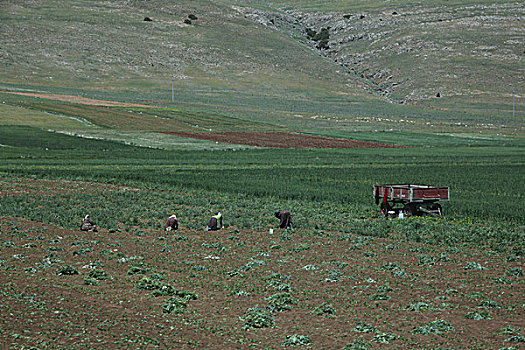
(172,223)
(285,217)
(88,224)
(215,222)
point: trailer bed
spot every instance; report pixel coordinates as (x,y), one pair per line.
(416,199)
(412,193)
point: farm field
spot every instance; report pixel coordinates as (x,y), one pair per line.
(328,284)
(133,111)
(343,277)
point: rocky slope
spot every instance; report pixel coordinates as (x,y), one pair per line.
(420,52)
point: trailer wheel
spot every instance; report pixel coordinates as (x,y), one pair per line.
(437,208)
(409,209)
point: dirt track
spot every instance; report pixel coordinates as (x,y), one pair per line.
(281,140)
(78,99)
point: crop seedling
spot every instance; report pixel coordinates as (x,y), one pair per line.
(516,339)
(358,344)
(280,302)
(434,327)
(256,317)
(175,305)
(66,270)
(510,330)
(474,266)
(364,328)
(489,303)
(514,272)
(296,340)
(478,315)
(333,276)
(325,309)
(384,338)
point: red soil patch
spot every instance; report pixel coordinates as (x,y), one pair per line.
(78,99)
(281,140)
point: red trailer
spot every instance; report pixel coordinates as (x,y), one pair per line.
(416,199)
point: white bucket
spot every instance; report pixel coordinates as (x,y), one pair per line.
(271,231)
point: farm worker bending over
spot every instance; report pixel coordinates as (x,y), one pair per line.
(285,217)
(88,224)
(215,222)
(172,223)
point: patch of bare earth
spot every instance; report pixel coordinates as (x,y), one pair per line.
(78,99)
(281,140)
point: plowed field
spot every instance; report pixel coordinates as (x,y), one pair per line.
(281,140)
(66,289)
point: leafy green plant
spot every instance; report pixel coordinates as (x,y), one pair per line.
(358,344)
(256,317)
(66,270)
(164,290)
(325,309)
(379,296)
(478,315)
(419,306)
(175,305)
(364,328)
(384,338)
(280,302)
(434,327)
(427,260)
(516,339)
(510,330)
(148,283)
(514,272)
(98,274)
(296,340)
(333,276)
(489,303)
(474,266)
(138,269)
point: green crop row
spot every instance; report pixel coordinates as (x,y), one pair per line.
(484,182)
(326,190)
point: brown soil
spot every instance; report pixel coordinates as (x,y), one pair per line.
(40,309)
(78,99)
(281,140)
